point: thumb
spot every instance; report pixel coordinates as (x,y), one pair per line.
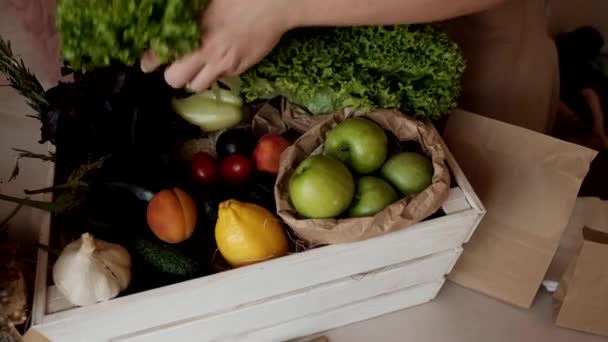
(149,62)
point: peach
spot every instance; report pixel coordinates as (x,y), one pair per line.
(172,215)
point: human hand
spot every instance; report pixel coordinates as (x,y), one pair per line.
(236,35)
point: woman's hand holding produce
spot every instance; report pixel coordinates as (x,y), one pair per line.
(235,36)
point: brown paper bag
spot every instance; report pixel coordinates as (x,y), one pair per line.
(298,120)
(569,245)
(581,299)
(528,183)
(267,120)
(399,215)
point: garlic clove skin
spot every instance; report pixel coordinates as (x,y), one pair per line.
(89,271)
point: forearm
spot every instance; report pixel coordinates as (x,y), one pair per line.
(594,103)
(380,12)
(566,110)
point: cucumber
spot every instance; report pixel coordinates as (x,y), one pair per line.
(156,255)
(165,259)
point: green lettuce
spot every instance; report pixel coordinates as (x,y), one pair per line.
(95,33)
(413,68)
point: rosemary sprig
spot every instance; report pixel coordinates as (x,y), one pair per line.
(21,79)
(27,154)
(62,204)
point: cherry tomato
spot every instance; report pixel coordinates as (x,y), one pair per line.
(236,169)
(204,168)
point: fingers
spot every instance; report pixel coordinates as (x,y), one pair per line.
(199,70)
(203,79)
(185,69)
(149,62)
(217,66)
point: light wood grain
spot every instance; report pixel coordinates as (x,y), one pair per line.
(355,312)
(319,298)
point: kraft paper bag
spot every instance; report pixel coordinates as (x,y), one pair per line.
(33,335)
(569,246)
(402,214)
(581,299)
(589,212)
(528,183)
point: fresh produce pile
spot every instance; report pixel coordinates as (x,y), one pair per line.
(357,174)
(413,68)
(132,211)
(124,185)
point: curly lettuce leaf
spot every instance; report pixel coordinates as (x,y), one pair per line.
(95,33)
(414,68)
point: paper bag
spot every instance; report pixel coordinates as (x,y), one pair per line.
(569,246)
(528,183)
(297,119)
(582,295)
(33,335)
(401,214)
(581,299)
(268,120)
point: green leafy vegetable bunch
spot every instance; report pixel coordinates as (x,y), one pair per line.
(95,33)
(414,68)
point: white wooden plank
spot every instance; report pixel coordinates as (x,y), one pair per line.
(474,228)
(346,315)
(224,290)
(301,303)
(455,202)
(56,301)
(461,179)
(40,283)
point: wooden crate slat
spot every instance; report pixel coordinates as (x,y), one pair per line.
(276,311)
(355,312)
(317,266)
(461,180)
(456,202)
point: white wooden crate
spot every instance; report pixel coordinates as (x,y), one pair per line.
(284,298)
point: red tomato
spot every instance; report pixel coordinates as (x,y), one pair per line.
(204,168)
(236,168)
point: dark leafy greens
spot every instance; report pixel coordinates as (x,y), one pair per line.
(108,110)
(415,68)
(95,33)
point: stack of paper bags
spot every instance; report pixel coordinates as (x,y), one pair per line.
(528,183)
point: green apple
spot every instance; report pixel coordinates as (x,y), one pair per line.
(359,143)
(409,172)
(373,194)
(321,187)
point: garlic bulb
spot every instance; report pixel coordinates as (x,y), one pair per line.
(89,271)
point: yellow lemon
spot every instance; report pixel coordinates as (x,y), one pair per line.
(247,233)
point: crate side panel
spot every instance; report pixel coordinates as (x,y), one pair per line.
(346,315)
(294,272)
(304,302)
